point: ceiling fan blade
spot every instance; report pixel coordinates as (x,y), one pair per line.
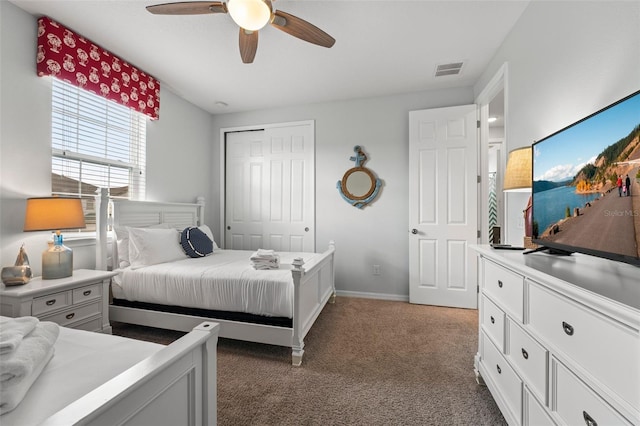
(301,29)
(188,8)
(248,45)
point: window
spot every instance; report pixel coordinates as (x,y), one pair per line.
(96,143)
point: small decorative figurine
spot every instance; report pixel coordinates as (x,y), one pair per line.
(20,273)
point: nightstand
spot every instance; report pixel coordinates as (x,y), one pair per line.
(80,301)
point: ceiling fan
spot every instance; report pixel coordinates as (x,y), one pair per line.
(251,16)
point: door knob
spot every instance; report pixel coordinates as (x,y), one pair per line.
(414,231)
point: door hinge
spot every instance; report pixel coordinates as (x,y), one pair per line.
(479,178)
(478,124)
(479,234)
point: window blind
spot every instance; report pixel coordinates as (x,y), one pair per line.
(96,143)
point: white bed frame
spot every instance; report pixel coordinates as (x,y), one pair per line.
(175,386)
(313,283)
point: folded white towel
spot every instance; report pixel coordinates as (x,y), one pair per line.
(261,254)
(11,396)
(265,267)
(29,355)
(13,330)
(265,259)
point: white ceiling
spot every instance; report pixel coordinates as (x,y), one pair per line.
(382,48)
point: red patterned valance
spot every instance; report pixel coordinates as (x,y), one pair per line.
(72,58)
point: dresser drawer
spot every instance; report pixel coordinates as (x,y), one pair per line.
(605,349)
(87,293)
(50,302)
(529,358)
(503,376)
(493,322)
(577,404)
(75,314)
(506,288)
(534,413)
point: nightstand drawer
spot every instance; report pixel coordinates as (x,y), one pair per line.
(90,325)
(83,297)
(50,302)
(506,288)
(493,322)
(603,348)
(576,404)
(89,292)
(74,314)
(529,358)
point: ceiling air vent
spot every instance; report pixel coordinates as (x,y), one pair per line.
(453,68)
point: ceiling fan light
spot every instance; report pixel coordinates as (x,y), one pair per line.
(251,15)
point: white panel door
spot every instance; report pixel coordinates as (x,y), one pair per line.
(270,185)
(443,211)
(245,165)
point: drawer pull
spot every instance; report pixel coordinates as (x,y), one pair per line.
(86,292)
(493,320)
(568,328)
(499,369)
(525,354)
(50,302)
(588,420)
(71,315)
(499,283)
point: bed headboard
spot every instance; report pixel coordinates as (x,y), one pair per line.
(139,214)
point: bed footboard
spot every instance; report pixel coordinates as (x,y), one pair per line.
(175,386)
(314,286)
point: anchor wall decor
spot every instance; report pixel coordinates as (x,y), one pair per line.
(359,185)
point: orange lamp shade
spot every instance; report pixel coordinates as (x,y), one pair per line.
(53,213)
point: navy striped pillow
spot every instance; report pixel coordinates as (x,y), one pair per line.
(195,242)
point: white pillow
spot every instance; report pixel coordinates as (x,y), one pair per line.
(207,230)
(122,243)
(150,246)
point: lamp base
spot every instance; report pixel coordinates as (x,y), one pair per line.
(57,262)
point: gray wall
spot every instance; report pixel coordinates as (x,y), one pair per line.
(377,234)
(565,61)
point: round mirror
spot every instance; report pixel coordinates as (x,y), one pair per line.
(358,183)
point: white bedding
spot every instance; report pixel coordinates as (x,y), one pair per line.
(82,361)
(222,281)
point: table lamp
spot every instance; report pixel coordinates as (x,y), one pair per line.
(518,178)
(55,214)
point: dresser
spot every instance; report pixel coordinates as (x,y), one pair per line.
(80,301)
(559,338)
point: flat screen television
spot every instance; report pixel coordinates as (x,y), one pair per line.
(586,185)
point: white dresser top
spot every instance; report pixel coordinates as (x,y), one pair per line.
(613,280)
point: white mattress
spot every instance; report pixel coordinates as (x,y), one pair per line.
(82,361)
(224,281)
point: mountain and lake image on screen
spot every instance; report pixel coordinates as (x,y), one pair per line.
(586,185)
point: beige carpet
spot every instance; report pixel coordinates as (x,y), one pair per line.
(366,362)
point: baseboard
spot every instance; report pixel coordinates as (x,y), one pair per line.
(367,295)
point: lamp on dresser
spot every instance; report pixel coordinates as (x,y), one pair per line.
(55,214)
(518,178)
